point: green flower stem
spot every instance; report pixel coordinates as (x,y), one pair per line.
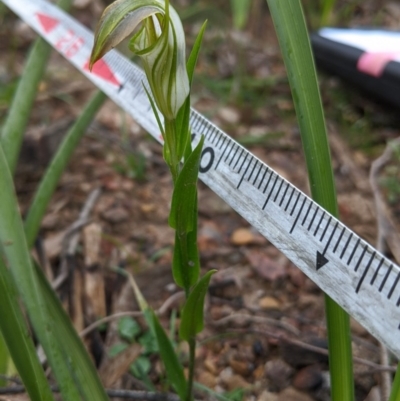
(192,359)
(182,243)
(293,38)
(170,143)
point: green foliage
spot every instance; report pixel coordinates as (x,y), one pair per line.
(182,118)
(117,349)
(57,166)
(293,38)
(149,343)
(173,368)
(13,129)
(326,12)
(7,91)
(240,11)
(68,358)
(15,335)
(192,321)
(235,395)
(128,328)
(141,367)
(182,215)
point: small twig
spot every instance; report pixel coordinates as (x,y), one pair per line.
(161,311)
(71,238)
(128,394)
(257,319)
(386,383)
(387,235)
(376,367)
(10,379)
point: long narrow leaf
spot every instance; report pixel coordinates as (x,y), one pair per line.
(186,273)
(192,321)
(293,38)
(75,355)
(18,114)
(173,368)
(16,336)
(57,166)
(182,118)
(15,250)
(182,213)
(240,11)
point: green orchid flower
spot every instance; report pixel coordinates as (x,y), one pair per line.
(160,43)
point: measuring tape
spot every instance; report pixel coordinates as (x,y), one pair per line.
(349,270)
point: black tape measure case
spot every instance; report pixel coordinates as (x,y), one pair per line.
(368,58)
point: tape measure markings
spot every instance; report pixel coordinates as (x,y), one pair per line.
(335,258)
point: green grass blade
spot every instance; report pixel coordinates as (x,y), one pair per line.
(57,166)
(4,357)
(395,393)
(16,336)
(326,14)
(81,366)
(14,126)
(293,38)
(15,250)
(240,11)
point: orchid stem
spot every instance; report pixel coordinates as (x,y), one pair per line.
(192,356)
(170,142)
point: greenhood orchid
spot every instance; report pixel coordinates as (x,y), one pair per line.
(160,42)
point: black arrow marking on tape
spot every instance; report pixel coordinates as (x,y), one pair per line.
(322,260)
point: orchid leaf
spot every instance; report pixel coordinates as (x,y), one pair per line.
(186,273)
(173,368)
(192,320)
(183,116)
(182,213)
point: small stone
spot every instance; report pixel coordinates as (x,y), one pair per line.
(207,379)
(81,3)
(269,303)
(258,373)
(291,394)
(232,381)
(242,236)
(241,367)
(357,329)
(147,207)
(116,215)
(209,364)
(229,115)
(374,394)
(267,396)
(278,372)
(308,378)
(297,356)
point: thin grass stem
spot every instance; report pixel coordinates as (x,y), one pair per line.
(57,166)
